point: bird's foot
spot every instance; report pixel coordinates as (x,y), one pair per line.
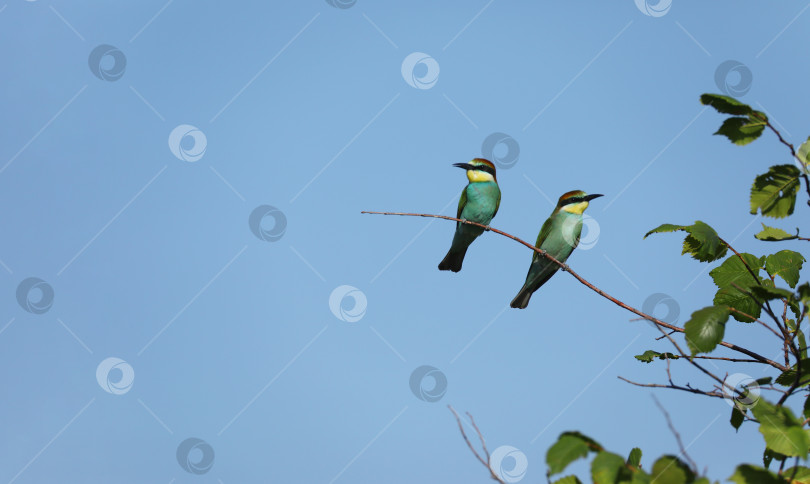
(487,228)
(565,267)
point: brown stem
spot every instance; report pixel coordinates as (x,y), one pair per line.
(675,387)
(735,360)
(790,147)
(677,435)
(590,286)
(469,444)
(763,323)
(753,274)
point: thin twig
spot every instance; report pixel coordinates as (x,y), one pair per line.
(790,147)
(755,276)
(676,434)
(480,437)
(735,360)
(675,387)
(492,473)
(602,293)
(795,469)
(763,323)
(691,360)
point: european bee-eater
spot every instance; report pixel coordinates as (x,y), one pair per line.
(558,237)
(479,203)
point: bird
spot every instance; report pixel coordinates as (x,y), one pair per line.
(559,236)
(479,203)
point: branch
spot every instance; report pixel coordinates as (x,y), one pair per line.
(790,147)
(672,386)
(602,293)
(755,276)
(763,323)
(735,360)
(677,435)
(469,444)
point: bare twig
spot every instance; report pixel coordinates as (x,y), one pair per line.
(677,435)
(795,469)
(735,360)
(485,463)
(763,323)
(690,360)
(602,293)
(672,386)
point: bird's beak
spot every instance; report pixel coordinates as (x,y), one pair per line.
(466,166)
(591,197)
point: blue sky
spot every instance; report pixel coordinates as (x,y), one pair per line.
(140,137)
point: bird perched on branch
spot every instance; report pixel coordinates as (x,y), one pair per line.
(479,203)
(558,237)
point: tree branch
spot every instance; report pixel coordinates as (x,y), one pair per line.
(677,435)
(469,444)
(602,293)
(790,147)
(672,386)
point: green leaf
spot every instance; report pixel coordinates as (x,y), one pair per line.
(773,234)
(634,459)
(664,228)
(733,270)
(568,448)
(785,264)
(737,417)
(782,431)
(803,292)
(568,480)
(787,378)
(725,104)
(766,293)
(640,477)
(702,243)
(769,455)
(606,467)
(669,469)
(740,130)
(650,355)
(732,275)
(806,408)
(705,328)
(803,153)
(802,475)
(802,342)
(748,474)
(736,299)
(774,192)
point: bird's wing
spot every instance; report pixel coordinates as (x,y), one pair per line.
(544,231)
(497,204)
(543,267)
(461,202)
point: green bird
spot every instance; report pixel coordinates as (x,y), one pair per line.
(558,237)
(479,203)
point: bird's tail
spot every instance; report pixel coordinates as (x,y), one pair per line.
(453,260)
(522,299)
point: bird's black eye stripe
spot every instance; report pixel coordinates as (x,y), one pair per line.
(485,168)
(573,200)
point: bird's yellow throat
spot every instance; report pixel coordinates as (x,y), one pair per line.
(479,176)
(576,208)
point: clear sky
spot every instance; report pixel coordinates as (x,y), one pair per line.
(187,179)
